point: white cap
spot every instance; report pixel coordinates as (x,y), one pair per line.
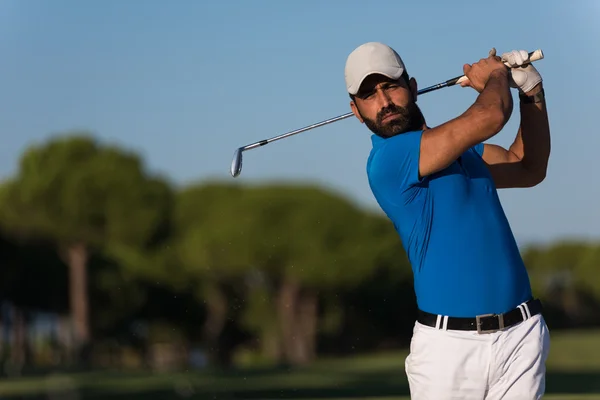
(371,58)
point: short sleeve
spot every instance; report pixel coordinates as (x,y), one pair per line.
(479,149)
(397,160)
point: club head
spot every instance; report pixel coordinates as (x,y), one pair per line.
(236,164)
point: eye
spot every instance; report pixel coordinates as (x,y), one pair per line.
(369,95)
(366,95)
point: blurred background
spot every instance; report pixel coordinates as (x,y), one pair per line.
(134,266)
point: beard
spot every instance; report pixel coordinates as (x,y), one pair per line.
(409,118)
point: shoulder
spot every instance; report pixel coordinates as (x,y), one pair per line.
(394,151)
(393,164)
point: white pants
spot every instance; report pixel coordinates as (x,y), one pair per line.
(508,364)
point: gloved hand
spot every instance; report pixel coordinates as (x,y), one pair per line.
(523,78)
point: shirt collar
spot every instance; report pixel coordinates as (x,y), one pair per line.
(376,140)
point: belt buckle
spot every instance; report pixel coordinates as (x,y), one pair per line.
(500,318)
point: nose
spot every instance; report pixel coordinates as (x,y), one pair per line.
(383,98)
(383,102)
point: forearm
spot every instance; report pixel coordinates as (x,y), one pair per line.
(497,94)
(492,108)
(532,145)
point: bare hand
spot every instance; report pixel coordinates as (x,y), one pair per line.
(479,73)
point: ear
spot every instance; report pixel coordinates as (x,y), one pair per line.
(356,112)
(412,83)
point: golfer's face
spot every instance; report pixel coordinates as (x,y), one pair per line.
(386,106)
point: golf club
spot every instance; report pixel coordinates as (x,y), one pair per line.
(236,164)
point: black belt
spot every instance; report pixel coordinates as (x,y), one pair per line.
(482,323)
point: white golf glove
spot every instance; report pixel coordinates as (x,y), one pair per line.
(524,78)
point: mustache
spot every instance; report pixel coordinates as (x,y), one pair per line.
(391,109)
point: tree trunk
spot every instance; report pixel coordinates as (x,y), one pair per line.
(286,308)
(307,325)
(18,351)
(217,310)
(77,260)
(2,345)
(297,311)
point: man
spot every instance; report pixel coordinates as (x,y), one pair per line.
(480,333)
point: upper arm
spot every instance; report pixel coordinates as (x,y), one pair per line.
(506,168)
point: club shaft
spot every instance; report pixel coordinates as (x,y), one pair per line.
(294,132)
(449,82)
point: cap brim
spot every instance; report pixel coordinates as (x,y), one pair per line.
(391,72)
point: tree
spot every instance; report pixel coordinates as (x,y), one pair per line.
(86,197)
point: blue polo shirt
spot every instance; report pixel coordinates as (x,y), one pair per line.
(464,257)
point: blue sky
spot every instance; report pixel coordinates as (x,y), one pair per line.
(187,82)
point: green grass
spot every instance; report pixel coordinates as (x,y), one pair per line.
(573,373)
